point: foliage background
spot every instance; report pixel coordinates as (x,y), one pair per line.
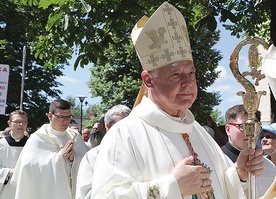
(40,83)
(98,32)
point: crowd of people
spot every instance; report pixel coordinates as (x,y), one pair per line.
(155,150)
(53,152)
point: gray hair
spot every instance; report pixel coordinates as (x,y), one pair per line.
(115,110)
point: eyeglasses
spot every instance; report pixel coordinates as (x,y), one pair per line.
(20,122)
(238,126)
(61,117)
(268,137)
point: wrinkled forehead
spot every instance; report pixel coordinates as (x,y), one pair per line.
(178,66)
(182,63)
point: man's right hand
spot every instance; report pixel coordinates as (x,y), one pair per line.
(191,179)
(68,150)
(254,166)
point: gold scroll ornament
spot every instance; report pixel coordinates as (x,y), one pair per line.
(251,98)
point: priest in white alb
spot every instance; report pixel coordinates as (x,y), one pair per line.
(48,165)
(10,150)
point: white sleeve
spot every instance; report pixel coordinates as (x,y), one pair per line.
(117,175)
(85,174)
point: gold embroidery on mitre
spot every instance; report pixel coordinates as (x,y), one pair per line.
(158,39)
(182,52)
(167,55)
(172,23)
(177,37)
(162,39)
(186,34)
(153,60)
(168,9)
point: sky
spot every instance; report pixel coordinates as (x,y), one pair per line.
(75,82)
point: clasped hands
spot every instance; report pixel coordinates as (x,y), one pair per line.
(68,151)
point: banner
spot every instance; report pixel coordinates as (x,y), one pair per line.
(4,82)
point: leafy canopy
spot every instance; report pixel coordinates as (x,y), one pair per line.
(40,85)
(98,32)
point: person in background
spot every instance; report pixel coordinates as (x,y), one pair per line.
(220,135)
(27,134)
(101,126)
(48,165)
(97,136)
(235,117)
(115,114)
(2,134)
(75,128)
(267,141)
(10,149)
(5,132)
(86,137)
(209,130)
(95,127)
(85,174)
(159,150)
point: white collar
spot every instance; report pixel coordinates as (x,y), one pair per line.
(152,114)
(55,132)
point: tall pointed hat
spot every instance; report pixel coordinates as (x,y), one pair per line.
(161,39)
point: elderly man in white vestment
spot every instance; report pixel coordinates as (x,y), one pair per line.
(86,169)
(159,150)
(10,149)
(48,165)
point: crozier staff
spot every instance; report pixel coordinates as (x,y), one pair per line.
(159,150)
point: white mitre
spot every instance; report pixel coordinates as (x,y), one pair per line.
(161,39)
(269,68)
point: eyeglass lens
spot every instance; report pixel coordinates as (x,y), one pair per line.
(67,117)
(268,137)
(20,122)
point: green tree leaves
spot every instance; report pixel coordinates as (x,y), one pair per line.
(98,33)
(40,84)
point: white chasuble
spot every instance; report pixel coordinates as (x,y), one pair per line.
(141,150)
(8,158)
(42,172)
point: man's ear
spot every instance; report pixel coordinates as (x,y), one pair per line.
(147,79)
(227,129)
(9,122)
(50,115)
(107,126)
